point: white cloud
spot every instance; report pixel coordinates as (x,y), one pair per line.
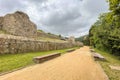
(66,17)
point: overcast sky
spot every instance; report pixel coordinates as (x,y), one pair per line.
(66,17)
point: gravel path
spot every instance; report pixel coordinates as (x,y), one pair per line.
(77,65)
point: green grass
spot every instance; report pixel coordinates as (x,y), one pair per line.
(111,60)
(2,32)
(10,62)
(50,39)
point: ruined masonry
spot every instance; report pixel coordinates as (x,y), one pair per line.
(13,46)
(22,36)
(18,24)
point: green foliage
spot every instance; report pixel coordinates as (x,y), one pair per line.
(59,35)
(2,32)
(84,39)
(80,38)
(40,30)
(105,33)
(114,6)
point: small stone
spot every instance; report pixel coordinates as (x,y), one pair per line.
(114,67)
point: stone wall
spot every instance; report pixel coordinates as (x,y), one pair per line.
(72,39)
(13,46)
(1,22)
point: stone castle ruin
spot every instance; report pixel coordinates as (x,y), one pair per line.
(18,24)
(20,36)
(72,39)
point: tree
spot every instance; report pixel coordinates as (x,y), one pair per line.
(105,33)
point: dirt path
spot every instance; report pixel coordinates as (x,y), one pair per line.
(77,65)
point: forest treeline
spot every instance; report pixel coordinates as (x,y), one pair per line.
(105,32)
(84,39)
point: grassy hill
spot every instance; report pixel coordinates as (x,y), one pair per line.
(84,39)
(48,36)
